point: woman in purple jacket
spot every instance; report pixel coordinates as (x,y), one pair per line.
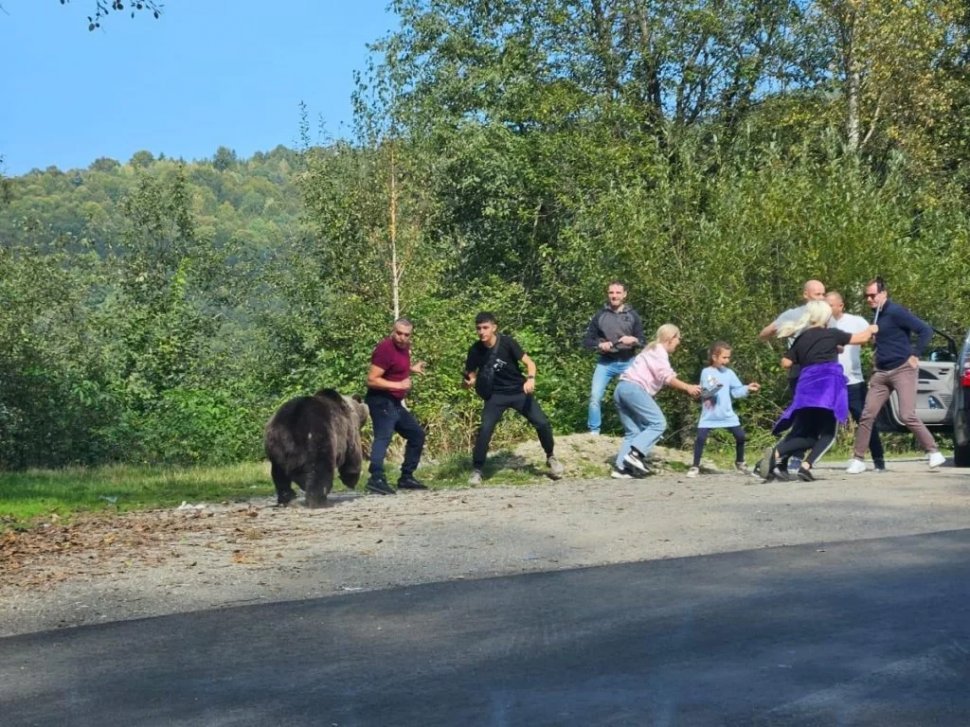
(821,396)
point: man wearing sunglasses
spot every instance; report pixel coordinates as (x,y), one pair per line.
(897,369)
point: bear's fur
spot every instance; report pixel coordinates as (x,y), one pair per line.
(311,437)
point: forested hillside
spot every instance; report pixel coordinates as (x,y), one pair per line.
(512,156)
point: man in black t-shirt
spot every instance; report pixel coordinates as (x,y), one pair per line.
(492,367)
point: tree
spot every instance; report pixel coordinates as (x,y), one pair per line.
(5,186)
(104,164)
(224,159)
(888,62)
(142,159)
(103,8)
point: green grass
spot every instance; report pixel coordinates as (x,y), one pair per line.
(35,494)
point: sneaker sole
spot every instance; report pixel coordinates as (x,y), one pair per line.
(767,458)
(636,465)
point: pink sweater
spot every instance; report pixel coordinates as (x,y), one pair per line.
(650,369)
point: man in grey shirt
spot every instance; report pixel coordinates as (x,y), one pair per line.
(812,290)
(615,333)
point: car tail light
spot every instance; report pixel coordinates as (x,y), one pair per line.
(965,381)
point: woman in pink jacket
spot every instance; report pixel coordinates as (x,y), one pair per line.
(643,422)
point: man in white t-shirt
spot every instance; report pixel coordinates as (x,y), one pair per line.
(852,366)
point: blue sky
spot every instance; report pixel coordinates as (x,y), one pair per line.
(208,73)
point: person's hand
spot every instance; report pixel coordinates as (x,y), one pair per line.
(628,340)
(693,390)
(913,361)
(874,329)
(405,384)
(754,386)
(529,386)
(468,380)
(418,368)
(606,346)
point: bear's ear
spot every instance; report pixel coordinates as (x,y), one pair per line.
(357,397)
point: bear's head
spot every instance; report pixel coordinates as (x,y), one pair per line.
(358,409)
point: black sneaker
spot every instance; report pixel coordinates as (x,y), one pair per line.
(408,482)
(805,474)
(379,486)
(634,461)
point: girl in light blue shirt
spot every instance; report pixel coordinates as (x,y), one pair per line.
(719,386)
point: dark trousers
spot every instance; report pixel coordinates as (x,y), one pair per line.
(701,440)
(812,428)
(857,401)
(495,407)
(387,416)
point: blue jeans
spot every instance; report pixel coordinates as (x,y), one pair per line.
(387,416)
(643,422)
(606,370)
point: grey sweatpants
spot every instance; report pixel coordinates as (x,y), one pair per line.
(902,380)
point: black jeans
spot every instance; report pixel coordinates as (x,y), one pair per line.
(495,407)
(857,400)
(387,416)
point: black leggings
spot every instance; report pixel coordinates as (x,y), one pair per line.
(701,440)
(812,428)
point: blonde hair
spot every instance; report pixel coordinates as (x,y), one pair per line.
(817,314)
(665,333)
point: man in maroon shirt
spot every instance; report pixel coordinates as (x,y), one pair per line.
(388,382)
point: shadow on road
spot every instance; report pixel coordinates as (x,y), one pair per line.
(857,633)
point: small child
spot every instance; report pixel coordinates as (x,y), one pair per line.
(719,385)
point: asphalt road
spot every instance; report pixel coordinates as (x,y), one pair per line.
(873,632)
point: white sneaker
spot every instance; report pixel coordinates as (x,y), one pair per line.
(693,472)
(475,478)
(856,466)
(936,459)
(620,474)
(555,467)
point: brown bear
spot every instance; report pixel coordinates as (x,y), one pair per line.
(309,438)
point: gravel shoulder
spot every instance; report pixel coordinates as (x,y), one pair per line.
(114,567)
